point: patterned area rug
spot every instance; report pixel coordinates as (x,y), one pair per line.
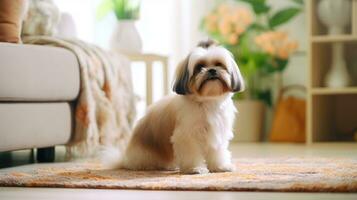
(275,174)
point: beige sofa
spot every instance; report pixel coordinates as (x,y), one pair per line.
(38,86)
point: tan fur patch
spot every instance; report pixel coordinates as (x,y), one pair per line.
(154,131)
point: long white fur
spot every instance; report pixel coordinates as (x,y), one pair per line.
(200,138)
(202,128)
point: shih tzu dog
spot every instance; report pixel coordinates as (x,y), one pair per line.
(191,130)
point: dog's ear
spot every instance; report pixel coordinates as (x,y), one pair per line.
(237,82)
(182,78)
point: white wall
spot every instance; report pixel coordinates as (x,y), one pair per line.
(171,27)
(296,71)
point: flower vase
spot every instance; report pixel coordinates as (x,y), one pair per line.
(337,76)
(249,123)
(126,38)
(335,14)
(336,23)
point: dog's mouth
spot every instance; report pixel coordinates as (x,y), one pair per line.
(211,79)
(214,78)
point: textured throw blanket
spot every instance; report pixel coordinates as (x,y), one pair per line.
(105,108)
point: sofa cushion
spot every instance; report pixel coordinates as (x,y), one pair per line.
(37,73)
(11,16)
(30,125)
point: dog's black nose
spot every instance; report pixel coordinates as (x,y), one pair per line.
(212,72)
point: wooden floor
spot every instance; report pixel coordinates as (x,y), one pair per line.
(348,150)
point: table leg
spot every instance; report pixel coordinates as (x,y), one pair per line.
(166,76)
(149,95)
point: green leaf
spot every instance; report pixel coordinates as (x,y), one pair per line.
(254,2)
(257,27)
(265,96)
(126,9)
(260,9)
(274,65)
(237,96)
(104,8)
(281,64)
(300,2)
(259,6)
(283,16)
(119,9)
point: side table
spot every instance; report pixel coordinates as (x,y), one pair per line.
(148,59)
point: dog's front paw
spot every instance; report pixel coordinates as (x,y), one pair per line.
(195,170)
(223,168)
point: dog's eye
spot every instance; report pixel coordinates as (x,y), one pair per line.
(218,64)
(199,67)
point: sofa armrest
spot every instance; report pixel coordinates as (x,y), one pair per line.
(37,73)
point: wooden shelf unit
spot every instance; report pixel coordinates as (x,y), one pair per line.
(337,38)
(331,112)
(333,91)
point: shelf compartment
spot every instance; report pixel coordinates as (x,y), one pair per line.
(321,54)
(354,17)
(333,91)
(334,117)
(334,38)
(317,28)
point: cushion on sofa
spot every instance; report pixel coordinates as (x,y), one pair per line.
(11,16)
(37,73)
(28,125)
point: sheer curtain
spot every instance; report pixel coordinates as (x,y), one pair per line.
(186,22)
(167,27)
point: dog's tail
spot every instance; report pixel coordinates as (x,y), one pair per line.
(111,157)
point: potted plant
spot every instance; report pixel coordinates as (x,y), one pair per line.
(261,51)
(125,38)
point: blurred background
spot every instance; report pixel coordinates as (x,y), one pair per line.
(173,27)
(298,61)
(76,75)
(271,41)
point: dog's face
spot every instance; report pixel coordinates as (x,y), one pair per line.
(208,71)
